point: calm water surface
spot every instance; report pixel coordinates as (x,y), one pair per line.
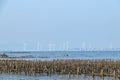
(84,55)
(53,77)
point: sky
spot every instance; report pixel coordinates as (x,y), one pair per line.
(94,23)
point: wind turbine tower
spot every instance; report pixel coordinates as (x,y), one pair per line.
(38,46)
(64,46)
(83,45)
(67,45)
(49,47)
(53,47)
(24,47)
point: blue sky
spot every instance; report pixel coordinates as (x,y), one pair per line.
(92,22)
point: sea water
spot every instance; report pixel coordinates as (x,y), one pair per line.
(55,55)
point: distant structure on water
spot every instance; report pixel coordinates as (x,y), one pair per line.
(66,47)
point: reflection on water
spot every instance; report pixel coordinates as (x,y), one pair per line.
(53,77)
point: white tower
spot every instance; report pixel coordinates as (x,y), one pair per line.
(64,46)
(90,47)
(61,47)
(83,45)
(24,46)
(67,45)
(49,47)
(38,46)
(53,47)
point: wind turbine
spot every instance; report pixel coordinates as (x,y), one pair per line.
(90,47)
(67,45)
(61,47)
(53,47)
(64,45)
(83,46)
(38,46)
(111,46)
(24,46)
(49,47)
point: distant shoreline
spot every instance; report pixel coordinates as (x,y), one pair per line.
(62,51)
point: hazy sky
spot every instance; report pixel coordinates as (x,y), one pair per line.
(92,22)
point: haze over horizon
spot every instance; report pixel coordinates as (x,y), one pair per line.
(90,22)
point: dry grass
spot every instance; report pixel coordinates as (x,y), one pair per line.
(75,67)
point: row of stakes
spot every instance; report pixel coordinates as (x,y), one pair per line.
(94,68)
